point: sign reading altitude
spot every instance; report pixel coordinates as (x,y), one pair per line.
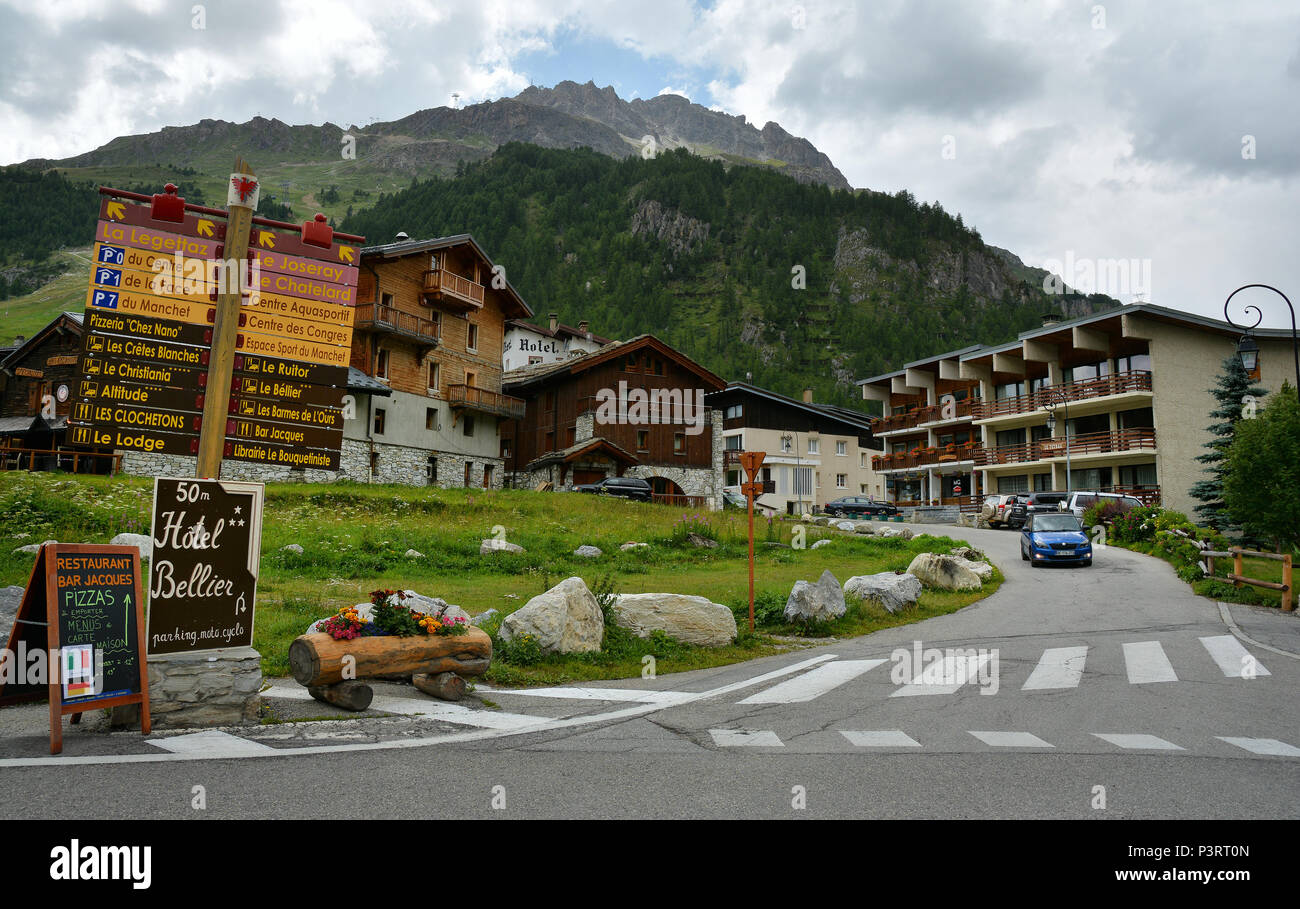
(207,542)
(150,309)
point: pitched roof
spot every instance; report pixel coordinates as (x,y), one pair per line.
(359,381)
(561,331)
(573,451)
(845,415)
(537,372)
(402,248)
(21,350)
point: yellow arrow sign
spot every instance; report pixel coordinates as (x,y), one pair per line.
(116,210)
(345,253)
(266,238)
(205,228)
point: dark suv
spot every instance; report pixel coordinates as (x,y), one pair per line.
(626,487)
(1034,503)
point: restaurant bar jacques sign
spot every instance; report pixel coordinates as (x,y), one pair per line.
(207,540)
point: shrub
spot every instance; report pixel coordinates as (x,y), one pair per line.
(524,650)
(1105,511)
(769,609)
(696,524)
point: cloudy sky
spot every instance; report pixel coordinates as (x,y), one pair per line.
(1165,134)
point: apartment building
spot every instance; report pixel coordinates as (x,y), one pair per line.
(527,344)
(814,453)
(430,329)
(1117,400)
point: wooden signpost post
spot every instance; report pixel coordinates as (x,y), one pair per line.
(82,620)
(753,488)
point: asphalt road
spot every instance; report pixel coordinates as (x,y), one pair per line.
(1109,691)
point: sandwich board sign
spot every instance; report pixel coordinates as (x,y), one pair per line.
(207,546)
(77,640)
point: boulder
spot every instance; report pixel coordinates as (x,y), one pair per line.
(414,554)
(487,547)
(564,619)
(629,546)
(891,530)
(821,520)
(588,552)
(892,591)
(819,544)
(292,547)
(689,619)
(969,553)
(865,528)
(943,572)
(847,526)
(805,517)
(33,548)
(703,542)
(483,617)
(432,605)
(982,569)
(819,602)
(10,599)
(141,541)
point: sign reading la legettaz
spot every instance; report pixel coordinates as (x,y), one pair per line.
(207,542)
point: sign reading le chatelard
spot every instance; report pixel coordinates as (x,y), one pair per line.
(207,543)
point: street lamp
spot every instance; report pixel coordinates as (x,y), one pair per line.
(1247,349)
(1051,430)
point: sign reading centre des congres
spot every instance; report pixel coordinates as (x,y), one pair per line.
(207,543)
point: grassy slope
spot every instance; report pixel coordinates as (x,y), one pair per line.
(354,539)
(28,314)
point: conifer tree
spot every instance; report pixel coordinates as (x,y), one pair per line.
(1233,393)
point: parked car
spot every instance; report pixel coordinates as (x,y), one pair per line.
(1079,502)
(858,507)
(1033,502)
(624,487)
(1054,537)
(996,509)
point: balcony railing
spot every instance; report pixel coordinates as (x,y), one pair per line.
(471,397)
(924,414)
(451,288)
(1052,395)
(924,457)
(391,320)
(1088,443)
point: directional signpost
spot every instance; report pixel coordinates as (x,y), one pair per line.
(753,488)
(216,334)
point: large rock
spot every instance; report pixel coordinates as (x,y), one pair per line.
(141,541)
(487,547)
(33,548)
(689,619)
(292,547)
(702,542)
(564,619)
(892,591)
(943,572)
(969,553)
(865,528)
(847,526)
(10,599)
(819,602)
(893,530)
(588,552)
(819,544)
(982,569)
(629,546)
(432,605)
(483,617)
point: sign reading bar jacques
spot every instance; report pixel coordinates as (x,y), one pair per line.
(207,542)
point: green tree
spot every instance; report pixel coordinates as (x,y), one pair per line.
(1261,484)
(1232,394)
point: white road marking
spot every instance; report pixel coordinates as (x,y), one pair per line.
(212,743)
(628,695)
(1232,657)
(1011,740)
(1138,741)
(1263,746)
(741,738)
(881,738)
(427,709)
(813,683)
(944,677)
(1058,667)
(1146,662)
(477,735)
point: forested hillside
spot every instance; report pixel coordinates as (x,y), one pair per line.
(744,269)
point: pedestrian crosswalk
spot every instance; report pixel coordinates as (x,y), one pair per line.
(1146,663)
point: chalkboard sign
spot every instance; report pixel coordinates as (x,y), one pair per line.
(82,603)
(207,546)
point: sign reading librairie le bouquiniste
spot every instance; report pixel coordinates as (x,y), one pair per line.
(207,541)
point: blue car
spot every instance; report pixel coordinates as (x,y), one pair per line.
(1055,538)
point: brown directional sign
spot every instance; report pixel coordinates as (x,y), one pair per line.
(113,323)
(300,414)
(129,219)
(154,351)
(275,368)
(109,436)
(284,455)
(334,272)
(288,392)
(132,372)
(207,540)
(267,239)
(180,399)
(130,416)
(751,461)
(282,433)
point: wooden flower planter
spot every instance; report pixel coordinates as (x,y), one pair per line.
(438,664)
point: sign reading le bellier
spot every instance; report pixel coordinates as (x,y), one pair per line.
(207,541)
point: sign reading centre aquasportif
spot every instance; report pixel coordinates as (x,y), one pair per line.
(150,309)
(207,542)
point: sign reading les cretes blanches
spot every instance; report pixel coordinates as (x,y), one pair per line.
(207,540)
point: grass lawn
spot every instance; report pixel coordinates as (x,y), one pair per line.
(354,538)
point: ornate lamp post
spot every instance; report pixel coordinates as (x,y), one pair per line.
(1247,349)
(1051,429)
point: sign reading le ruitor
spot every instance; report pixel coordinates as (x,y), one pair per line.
(207,543)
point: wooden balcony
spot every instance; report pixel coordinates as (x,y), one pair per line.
(392,321)
(1086,444)
(451,290)
(1051,396)
(470,397)
(925,457)
(917,416)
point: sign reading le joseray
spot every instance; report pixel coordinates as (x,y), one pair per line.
(207,542)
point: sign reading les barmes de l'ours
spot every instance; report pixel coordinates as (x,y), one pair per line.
(207,542)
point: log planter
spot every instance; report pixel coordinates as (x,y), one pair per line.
(318,662)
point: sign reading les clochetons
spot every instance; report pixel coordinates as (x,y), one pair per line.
(207,543)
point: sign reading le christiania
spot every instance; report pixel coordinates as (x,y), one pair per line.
(207,540)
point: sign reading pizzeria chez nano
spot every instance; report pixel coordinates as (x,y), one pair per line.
(207,542)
